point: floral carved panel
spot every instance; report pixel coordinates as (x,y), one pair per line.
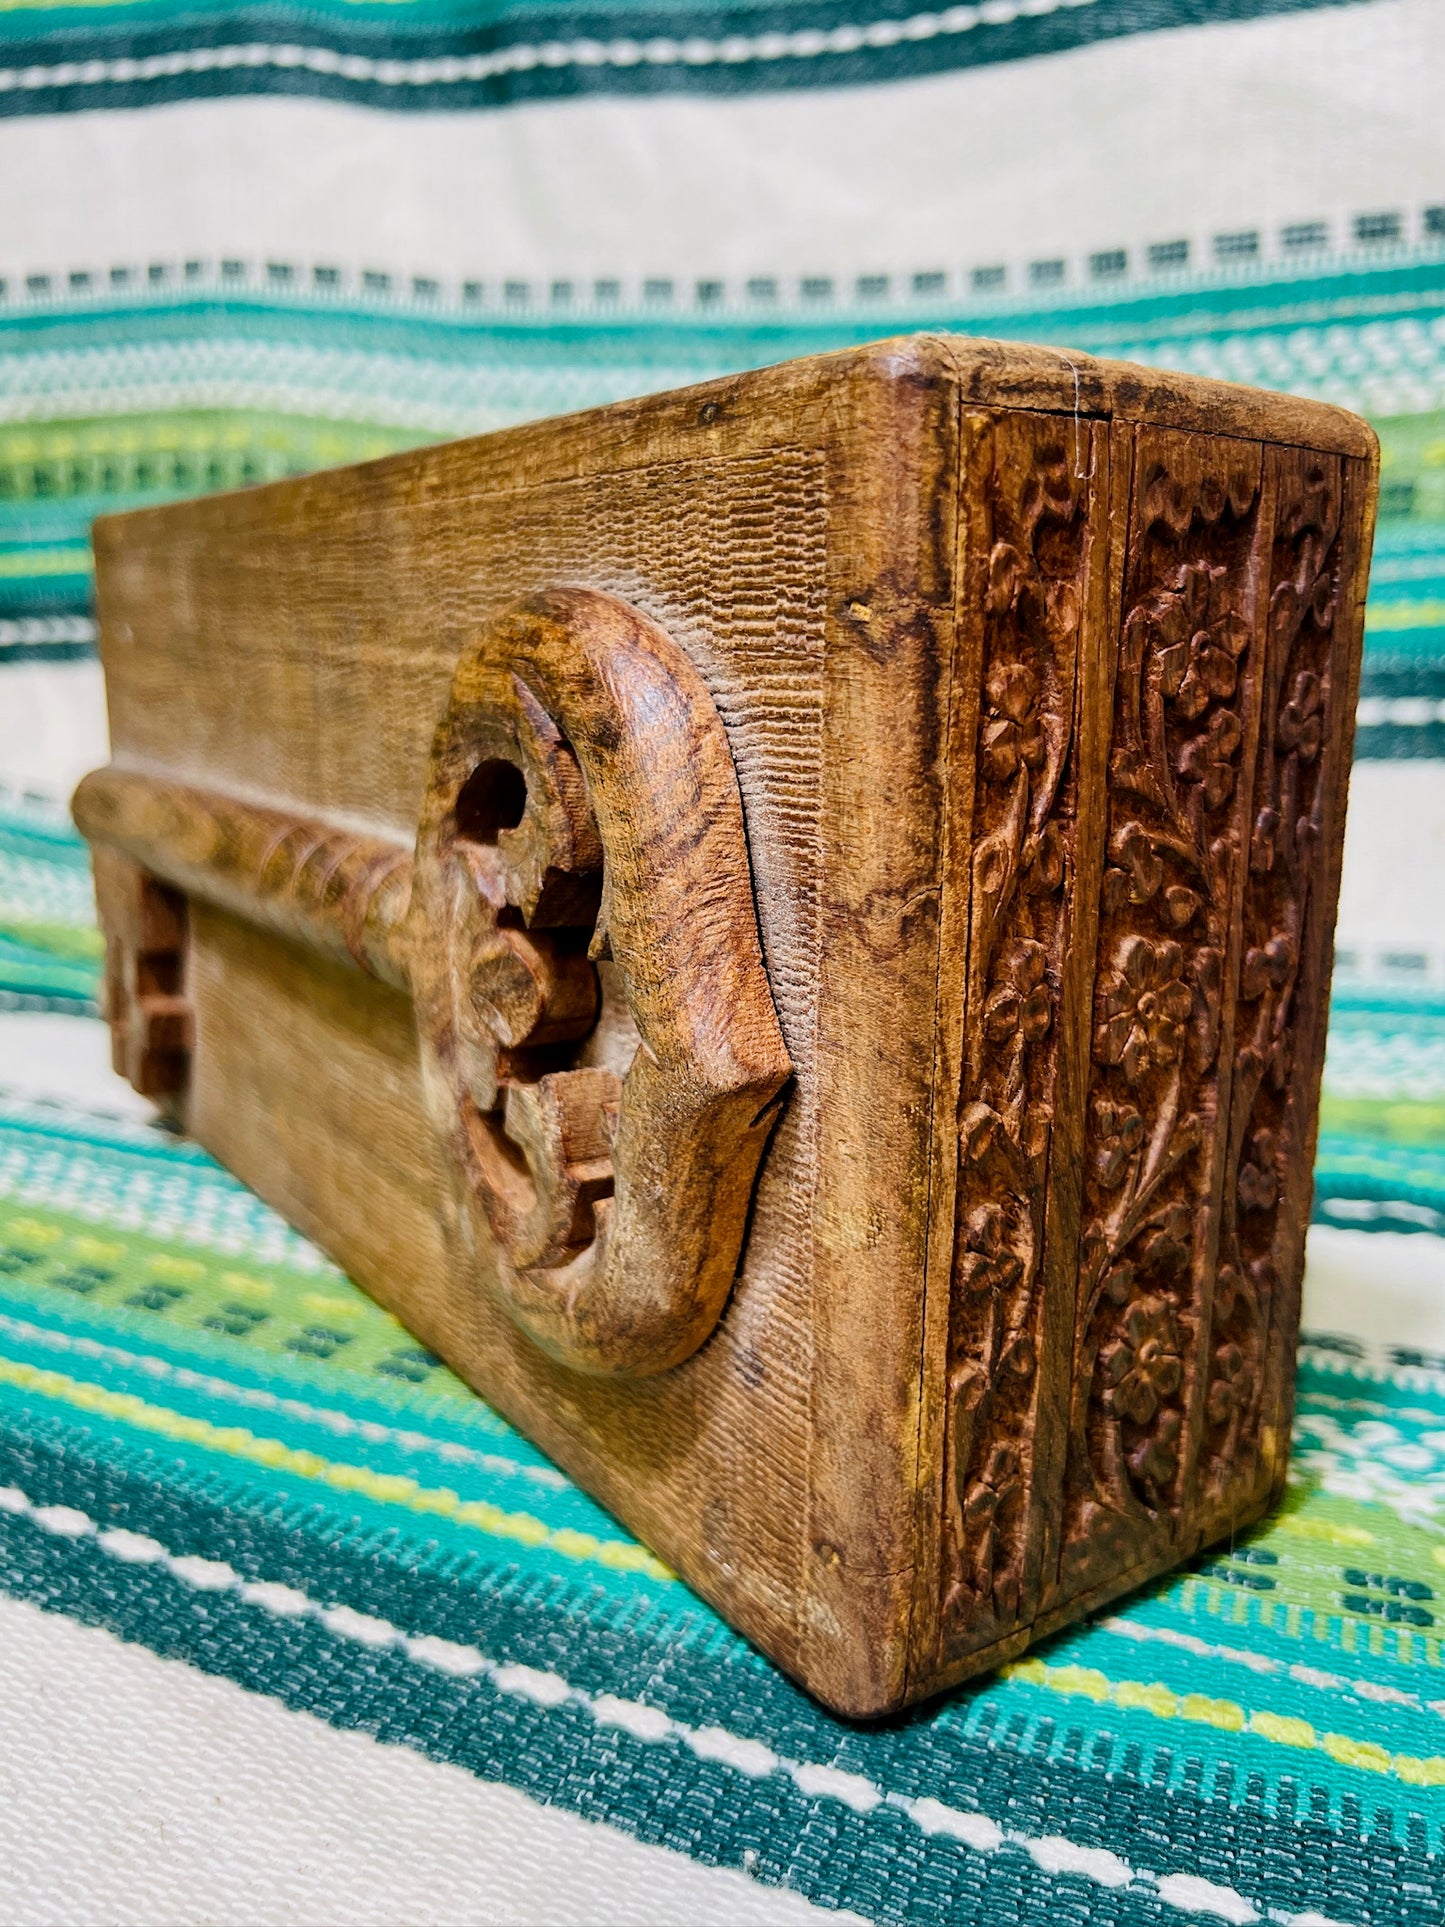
(1175,823)
(1279,993)
(1034,500)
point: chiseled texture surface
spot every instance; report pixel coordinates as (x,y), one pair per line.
(727,554)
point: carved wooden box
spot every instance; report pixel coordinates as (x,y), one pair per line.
(785,930)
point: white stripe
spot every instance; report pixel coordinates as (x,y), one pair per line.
(33,629)
(138,1788)
(453,69)
(1372,1362)
(1372,1210)
(1404,712)
(922,175)
(649,1724)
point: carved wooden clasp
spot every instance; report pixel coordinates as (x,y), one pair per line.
(577,931)
(596,1022)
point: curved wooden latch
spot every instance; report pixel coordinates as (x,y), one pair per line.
(597,1028)
(577,931)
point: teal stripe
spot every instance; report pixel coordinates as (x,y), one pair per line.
(1268,297)
(168,1463)
(494,1466)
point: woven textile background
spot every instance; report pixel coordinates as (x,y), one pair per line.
(244,238)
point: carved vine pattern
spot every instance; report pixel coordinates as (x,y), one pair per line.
(1174,836)
(1022,865)
(1291,785)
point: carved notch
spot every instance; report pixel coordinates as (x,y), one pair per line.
(143,989)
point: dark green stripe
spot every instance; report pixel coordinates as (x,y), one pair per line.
(1397,742)
(94,35)
(44,651)
(880,1865)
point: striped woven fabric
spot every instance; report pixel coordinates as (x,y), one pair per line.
(235,258)
(117,390)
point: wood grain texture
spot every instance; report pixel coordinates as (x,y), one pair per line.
(785,930)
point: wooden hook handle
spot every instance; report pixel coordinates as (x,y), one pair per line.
(583,811)
(341,892)
(577,931)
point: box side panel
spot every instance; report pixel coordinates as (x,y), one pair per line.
(1210,821)
(1185,718)
(1035,494)
(303,658)
(304,1081)
(307,1083)
(295,646)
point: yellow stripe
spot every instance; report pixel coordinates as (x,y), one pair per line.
(388,1488)
(1404,615)
(45,562)
(1230,1717)
(1328,1530)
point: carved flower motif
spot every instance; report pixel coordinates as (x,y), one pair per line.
(1208,759)
(1263,843)
(1231,1387)
(1180,904)
(1265,965)
(1019,1356)
(1020,1004)
(1118,1131)
(986,1262)
(995,1485)
(1119,1282)
(1138,870)
(1281,1058)
(1043,861)
(978,1130)
(1013,735)
(1144,1367)
(984,1505)
(1301,721)
(1043,606)
(1155,1459)
(1203,641)
(1143,1003)
(1227,1290)
(1168,1243)
(1258,1176)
